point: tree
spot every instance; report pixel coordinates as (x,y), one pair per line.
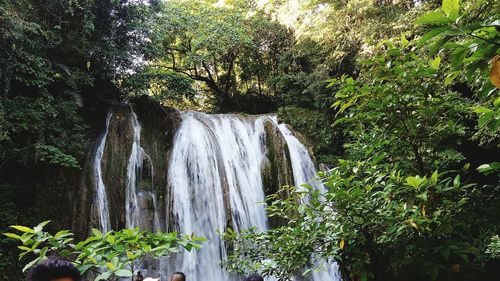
(231,49)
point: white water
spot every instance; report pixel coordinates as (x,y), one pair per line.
(304,172)
(214,177)
(135,213)
(101,196)
(213,156)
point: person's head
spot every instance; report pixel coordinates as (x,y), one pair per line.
(54,269)
(178,276)
(254,277)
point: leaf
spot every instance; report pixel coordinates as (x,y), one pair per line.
(23,228)
(12,235)
(341,244)
(489,168)
(435,17)
(123,273)
(495,72)
(434,64)
(40,227)
(30,264)
(458,56)
(450,77)
(456,181)
(414,181)
(434,177)
(111,266)
(84,268)
(496,102)
(451,8)
(103,276)
(413,224)
(431,34)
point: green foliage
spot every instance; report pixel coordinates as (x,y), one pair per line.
(469,36)
(398,111)
(42,129)
(407,108)
(112,255)
(373,220)
(231,50)
(317,126)
(51,53)
(493,249)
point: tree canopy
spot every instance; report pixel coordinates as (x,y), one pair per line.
(398,99)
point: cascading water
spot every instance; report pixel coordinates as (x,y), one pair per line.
(304,171)
(215,158)
(214,182)
(101,196)
(133,212)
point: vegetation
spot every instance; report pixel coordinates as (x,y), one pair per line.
(408,110)
(109,256)
(400,98)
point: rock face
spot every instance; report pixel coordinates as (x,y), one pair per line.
(158,129)
(277,167)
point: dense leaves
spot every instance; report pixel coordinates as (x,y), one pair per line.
(111,256)
(406,203)
(373,220)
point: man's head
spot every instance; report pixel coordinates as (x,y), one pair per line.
(54,269)
(254,277)
(178,276)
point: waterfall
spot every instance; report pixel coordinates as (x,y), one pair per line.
(216,158)
(213,182)
(134,214)
(304,171)
(101,196)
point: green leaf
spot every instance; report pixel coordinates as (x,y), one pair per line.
(451,8)
(489,168)
(458,56)
(84,268)
(123,273)
(12,235)
(30,264)
(496,102)
(434,64)
(434,177)
(450,77)
(435,17)
(456,181)
(23,228)
(414,181)
(104,276)
(40,227)
(431,34)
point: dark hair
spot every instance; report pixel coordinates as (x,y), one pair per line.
(53,268)
(182,275)
(254,277)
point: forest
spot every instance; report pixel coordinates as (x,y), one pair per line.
(394,103)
